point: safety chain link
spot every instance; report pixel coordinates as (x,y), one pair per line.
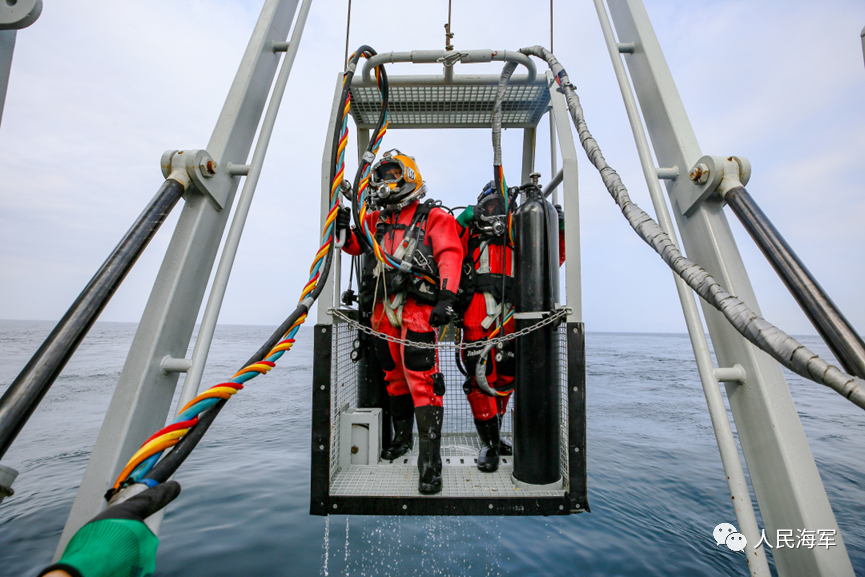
(549,319)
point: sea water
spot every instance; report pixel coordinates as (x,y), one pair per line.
(656,485)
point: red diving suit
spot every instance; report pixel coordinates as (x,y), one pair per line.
(404,311)
(486,295)
(408,307)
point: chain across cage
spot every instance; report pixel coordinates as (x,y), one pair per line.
(549,319)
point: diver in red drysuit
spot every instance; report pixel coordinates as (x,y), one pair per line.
(482,294)
(409,307)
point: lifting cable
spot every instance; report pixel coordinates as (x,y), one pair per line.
(767,337)
(193,420)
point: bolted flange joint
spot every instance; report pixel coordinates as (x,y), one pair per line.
(198,168)
(711,176)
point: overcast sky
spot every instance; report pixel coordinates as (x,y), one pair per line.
(99,89)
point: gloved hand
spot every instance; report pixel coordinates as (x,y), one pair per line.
(343,220)
(561,216)
(443,312)
(116,542)
(466,216)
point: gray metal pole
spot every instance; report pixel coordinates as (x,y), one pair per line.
(528,154)
(746,519)
(34,381)
(554,170)
(7,49)
(552,185)
(232,241)
(570,202)
(143,395)
(14,15)
(785,478)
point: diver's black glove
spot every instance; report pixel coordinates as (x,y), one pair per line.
(443,312)
(116,542)
(343,221)
(561,214)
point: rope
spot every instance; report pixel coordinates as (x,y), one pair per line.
(143,461)
(766,336)
(548,319)
(448,33)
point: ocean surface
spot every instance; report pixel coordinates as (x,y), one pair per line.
(656,486)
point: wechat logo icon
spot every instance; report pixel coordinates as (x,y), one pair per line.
(727,534)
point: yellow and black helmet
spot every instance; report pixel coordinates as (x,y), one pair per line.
(395,179)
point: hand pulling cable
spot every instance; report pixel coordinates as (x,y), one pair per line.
(767,337)
(196,417)
(29,387)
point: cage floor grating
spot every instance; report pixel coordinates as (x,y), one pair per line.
(460,475)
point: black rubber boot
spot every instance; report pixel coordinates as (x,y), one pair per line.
(402,410)
(505,447)
(429,460)
(488,458)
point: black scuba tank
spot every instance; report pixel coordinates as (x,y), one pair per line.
(537,404)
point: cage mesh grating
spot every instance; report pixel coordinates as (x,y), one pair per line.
(450,105)
(460,442)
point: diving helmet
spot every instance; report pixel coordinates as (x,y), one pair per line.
(395,179)
(490,213)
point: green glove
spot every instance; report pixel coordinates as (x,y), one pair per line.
(117,543)
(466,216)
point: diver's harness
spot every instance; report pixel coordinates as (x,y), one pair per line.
(398,284)
(497,288)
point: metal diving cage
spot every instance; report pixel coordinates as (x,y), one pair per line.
(348,477)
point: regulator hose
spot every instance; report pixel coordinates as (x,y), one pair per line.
(763,334)
(481,371)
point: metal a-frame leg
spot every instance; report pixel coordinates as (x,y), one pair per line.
(143,394)
(786,482)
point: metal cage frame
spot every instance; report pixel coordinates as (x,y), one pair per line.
(449,101)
